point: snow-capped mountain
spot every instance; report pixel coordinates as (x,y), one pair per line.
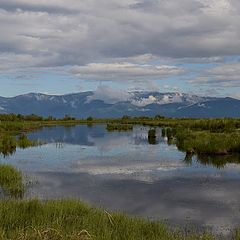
(143,99)
(84,104)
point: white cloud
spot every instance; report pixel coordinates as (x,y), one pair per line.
(124,71)
(109,95)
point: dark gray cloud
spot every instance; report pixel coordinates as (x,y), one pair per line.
(39,6)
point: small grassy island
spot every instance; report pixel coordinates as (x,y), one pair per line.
(119,127)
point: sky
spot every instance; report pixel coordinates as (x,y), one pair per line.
(61,47)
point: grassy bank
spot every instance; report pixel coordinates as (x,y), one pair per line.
(74,220)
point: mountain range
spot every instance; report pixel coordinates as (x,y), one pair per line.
(138,103)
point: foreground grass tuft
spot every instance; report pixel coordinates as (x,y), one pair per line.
(69,219)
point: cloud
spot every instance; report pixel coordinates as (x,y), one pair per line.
(124,71)
(60,33)
(109,95)
(128,40)
(224,75)
(137,98)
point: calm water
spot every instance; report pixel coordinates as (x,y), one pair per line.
(121,170)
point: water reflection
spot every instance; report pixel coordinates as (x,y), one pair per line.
(11,182)
(152,138)
(122,170)
(219,161)
(7,150)
(105,143)
(79,135)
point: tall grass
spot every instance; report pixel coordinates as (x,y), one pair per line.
(74,220)
(203,142)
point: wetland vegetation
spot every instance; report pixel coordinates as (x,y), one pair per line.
(74,220)
(119,127)
(212,140)
(70,219)
(192,136)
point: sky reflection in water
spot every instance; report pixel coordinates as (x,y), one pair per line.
(121,170)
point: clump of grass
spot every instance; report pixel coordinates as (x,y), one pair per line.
(24,142)
(11,181)
(119,127)
(204,142)
(74,220)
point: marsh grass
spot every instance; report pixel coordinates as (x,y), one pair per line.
(69,219)
(11,181)
(119,127)
(205,142)
(24,142)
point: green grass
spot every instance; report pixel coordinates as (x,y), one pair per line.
(69,219)
(205,142)
(11,181)
(119,127)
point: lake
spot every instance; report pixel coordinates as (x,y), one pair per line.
(122,171)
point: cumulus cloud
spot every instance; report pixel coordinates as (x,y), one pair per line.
(137,98)
(109,95)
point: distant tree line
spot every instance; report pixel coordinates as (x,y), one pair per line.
(31,117)
(67,117)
